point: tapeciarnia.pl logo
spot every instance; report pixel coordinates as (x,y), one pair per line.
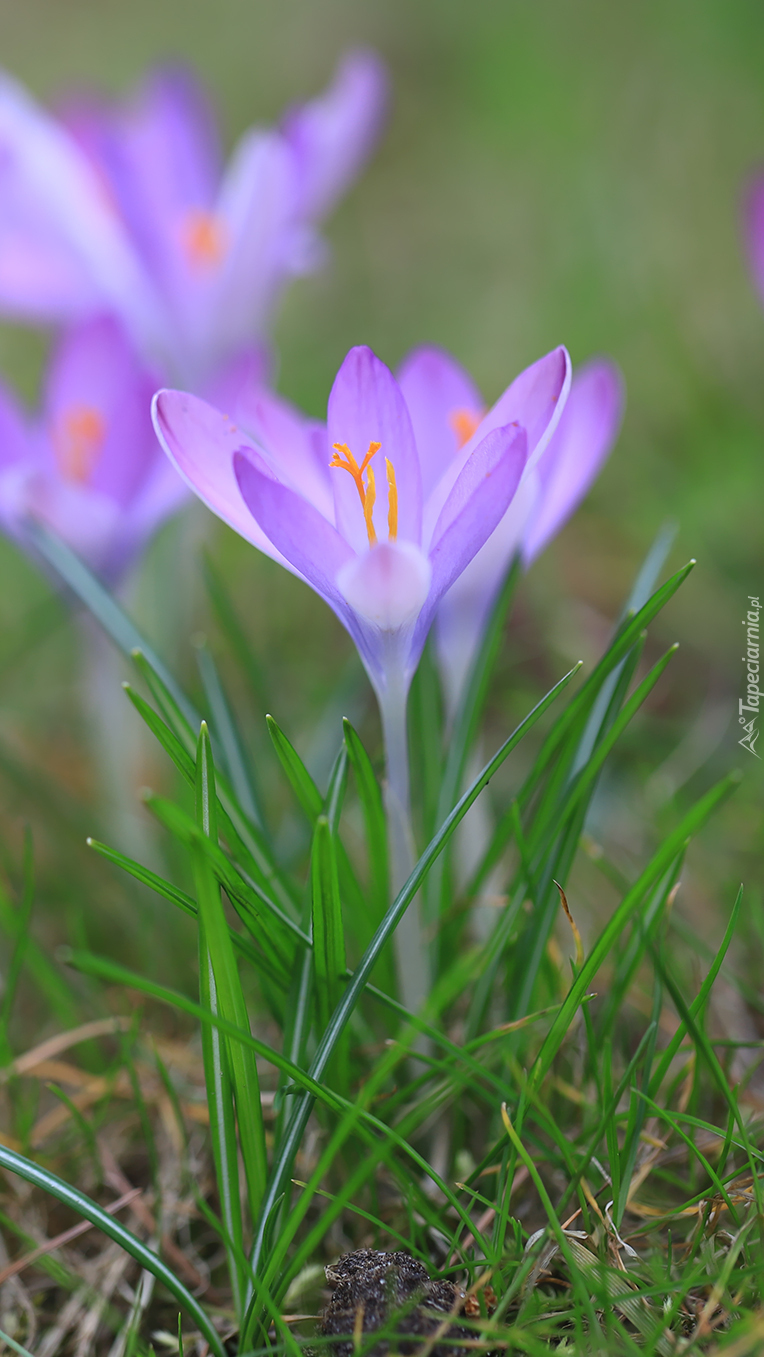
(748,706)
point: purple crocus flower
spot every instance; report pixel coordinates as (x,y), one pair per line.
(129,210)
(446,409)
(89,466)
(377,518)
(364,509)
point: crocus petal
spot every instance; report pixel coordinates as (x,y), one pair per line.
(582,441)
(387,585)
(256,208)
(295,445)
(48,187)
(754,229)
(332,136)
(476,505)
(201,442)
(97,406)
(535,401)
(443,402)
(366,406)
(296,529)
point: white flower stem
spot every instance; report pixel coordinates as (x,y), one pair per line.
(411,954)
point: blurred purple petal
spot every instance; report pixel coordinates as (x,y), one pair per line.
(753,218)
(445,407)
(332,136)
(581,443)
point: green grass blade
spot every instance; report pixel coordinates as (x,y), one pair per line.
(698,1004)
(659,865)
(298,777)
(162,732)
(224,726)
(21,940)
(328,934)
(234,632)
(113,1229)
(342,1013)
(104,608)
(177,897)
(230,997)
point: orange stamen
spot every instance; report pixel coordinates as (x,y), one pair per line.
(367,493)
(464,423)
(368,505)
(78,440)
(204,239)
(392,502)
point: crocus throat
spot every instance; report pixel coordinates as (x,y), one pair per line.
(464,423)
(367,490)
(204,239)
(78,440)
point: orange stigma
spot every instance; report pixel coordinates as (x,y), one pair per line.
(78,440)
(204,239)
(367,490)
(464,423)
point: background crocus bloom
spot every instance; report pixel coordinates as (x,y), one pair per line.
(129,210)
(364,509)
(89,466)
(447,409)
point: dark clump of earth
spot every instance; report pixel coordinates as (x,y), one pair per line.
(393,1292)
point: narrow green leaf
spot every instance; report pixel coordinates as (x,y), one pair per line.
(350,998)
(328,936)
(177,897)
(104,608)
(699,1002)
(229,994)
(162,732)
(234,632)
(226,731)
(300,780)
(113,1229)
(656,868)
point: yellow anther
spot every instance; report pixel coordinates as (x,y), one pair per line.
(464,423)
(78,439)
(392,501)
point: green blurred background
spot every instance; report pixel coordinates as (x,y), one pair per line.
(553,171)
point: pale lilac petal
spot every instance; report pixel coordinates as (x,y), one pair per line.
(256,209)
(96,386)
(366,406)
(442,400)
(535,401)
(753,218)
(333,135)
(49,188)
(296,447)
(201,443)
(295,528)
(476,505)
(387,586)
(582,441)
(240,379)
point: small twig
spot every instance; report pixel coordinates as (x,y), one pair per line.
(76,1230)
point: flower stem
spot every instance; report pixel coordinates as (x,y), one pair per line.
(411,954)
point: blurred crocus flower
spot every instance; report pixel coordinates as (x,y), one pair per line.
(446,410)
(88,466)
(372,510)
(129,210)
